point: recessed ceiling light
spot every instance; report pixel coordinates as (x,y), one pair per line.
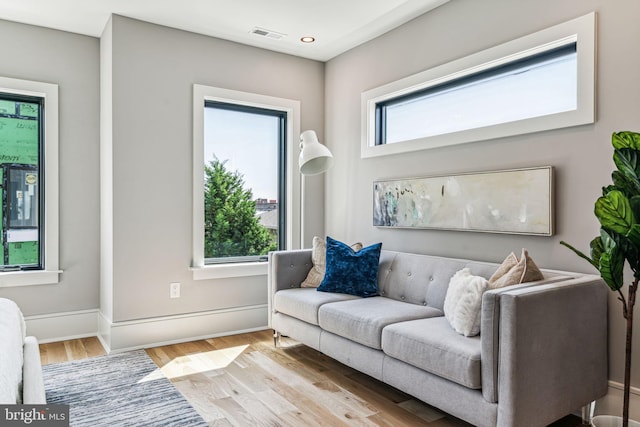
(307,39)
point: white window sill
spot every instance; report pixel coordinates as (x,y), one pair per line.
(222,271)
(27,278)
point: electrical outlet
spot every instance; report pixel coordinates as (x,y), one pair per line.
(174,290)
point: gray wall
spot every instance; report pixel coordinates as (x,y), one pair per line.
(581,155)
(72,62)
(148,86)
(153,72)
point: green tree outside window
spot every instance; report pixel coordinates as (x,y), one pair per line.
(231,227)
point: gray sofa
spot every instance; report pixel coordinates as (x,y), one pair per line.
(21,379)
(541,353)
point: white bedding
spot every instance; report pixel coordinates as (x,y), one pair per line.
(12,333)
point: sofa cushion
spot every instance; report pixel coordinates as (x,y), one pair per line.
(351,272)
(319,259)
(431,344)
(12,333)
(362,320)
(303,303)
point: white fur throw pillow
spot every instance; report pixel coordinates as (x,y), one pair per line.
(463,302)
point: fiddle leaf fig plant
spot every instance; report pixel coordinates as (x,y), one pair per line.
(618,211)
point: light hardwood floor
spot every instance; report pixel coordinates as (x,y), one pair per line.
(242,380)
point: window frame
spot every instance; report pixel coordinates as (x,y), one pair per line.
(49,272)
(281,115)
(202,93)
(580,31)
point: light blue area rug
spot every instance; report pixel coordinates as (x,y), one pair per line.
(118,390)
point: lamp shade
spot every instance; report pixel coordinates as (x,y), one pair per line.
(315,158)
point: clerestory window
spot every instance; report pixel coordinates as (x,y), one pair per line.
(542,81)
(534,86)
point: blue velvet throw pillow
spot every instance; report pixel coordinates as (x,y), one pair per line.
(351,272)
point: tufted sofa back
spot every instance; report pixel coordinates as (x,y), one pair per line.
(413,278)
(417,279)
(422,279)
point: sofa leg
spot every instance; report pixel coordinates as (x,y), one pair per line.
(276,338)
(587,412)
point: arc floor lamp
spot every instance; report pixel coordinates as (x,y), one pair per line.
(314,159)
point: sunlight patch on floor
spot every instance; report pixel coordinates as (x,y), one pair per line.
(197,363)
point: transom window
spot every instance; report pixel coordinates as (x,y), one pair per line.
(535,86)
(542,81)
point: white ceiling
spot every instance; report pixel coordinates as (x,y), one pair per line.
(337,25)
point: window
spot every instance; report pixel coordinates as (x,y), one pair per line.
(536,86)
(28,182)
(244,191)
(250,139)
(20,144)
(539,82)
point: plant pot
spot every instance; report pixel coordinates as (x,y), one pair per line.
(611,421)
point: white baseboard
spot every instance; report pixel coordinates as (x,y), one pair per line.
(611,404)
(144,333)
(63,326)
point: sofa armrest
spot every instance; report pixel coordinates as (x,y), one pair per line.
(287,269)
(490,329)
(33,392)
(552,350)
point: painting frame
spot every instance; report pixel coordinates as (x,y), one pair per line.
(509,201)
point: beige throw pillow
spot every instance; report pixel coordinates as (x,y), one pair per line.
(513,271)
(318,258)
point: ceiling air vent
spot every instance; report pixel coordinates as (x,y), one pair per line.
(273,35)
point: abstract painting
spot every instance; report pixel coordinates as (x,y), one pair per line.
(516,201)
